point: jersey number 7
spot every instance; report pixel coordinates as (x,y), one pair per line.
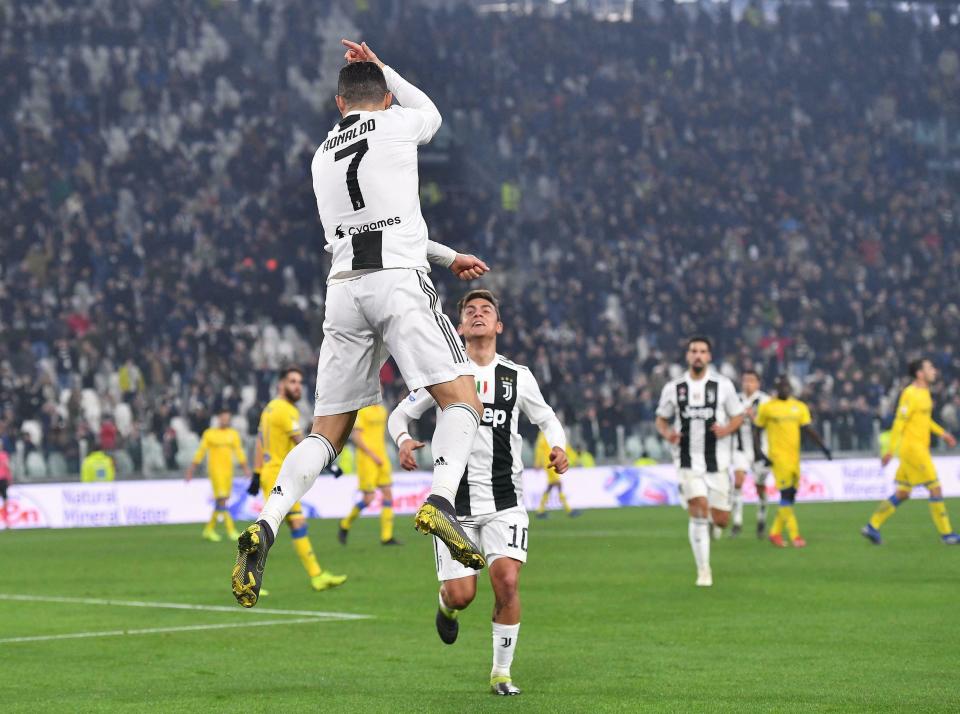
(357,149)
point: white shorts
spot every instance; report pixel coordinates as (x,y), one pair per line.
(741,461)
(389,312)
(503,534)
(713,486)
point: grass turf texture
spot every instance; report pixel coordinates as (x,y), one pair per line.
(612,622)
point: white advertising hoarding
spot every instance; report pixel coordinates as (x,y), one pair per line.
(124,503)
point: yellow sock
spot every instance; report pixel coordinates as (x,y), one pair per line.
(790,519)
(304,549)
(351,517)
(778,521)
(543,502)
(563,500)
(228,521)
(386,523)
(212,523)
(884,511)
(938,512)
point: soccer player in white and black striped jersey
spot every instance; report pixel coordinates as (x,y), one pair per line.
(489,501)
(746,458)
(698,414)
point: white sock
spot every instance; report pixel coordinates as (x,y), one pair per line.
(700,541)
(504,644)
(761,504)
(452,442)
(737,507)
(299,470)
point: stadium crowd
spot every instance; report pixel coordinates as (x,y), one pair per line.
(630,183)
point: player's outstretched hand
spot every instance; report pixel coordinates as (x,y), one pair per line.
(359,52)
(407,460)
(950,439)
(885,459)
(254,486)
(673,436)
(468,267)
(558,460)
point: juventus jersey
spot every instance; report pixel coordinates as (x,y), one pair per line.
(694,406)
(493,480)
(367,185)
(745,434)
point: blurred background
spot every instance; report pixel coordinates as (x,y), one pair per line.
(780,176)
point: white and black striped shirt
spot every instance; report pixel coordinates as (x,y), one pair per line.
(745,435)
(494,476)
(694,406)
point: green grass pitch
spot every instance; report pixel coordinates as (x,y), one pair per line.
(612,622)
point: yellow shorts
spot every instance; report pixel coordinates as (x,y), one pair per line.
(786,475)
(222,485)
(552,477)
(267,480)
(916,470)
(370,477)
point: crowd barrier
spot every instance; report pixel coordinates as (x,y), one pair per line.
(124,503)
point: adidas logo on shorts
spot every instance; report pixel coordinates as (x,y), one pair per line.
(277,490)
(440,462)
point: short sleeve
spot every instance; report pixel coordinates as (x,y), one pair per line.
(804,414)
(667,408)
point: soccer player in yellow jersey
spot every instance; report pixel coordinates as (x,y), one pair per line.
(221,446)
(279,432)
(541,460)
(784,418)
(911,435)
(373,471)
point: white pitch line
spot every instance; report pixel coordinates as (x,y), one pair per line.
(159,630)
(180,606)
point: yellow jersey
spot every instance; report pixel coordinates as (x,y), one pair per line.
(220,446)
(372,425)
(783,419)
(914,422)
(279,425)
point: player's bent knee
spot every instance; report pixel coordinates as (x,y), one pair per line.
(720,518)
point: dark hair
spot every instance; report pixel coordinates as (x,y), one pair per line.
(754,372)
(914,366)
(291,368)
(361,82)
(479,294)
(700,338)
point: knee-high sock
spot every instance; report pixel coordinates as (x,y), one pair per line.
(504,645)
(543,501)
(761,503)
(214,517)
(386,521)
(884,511)
(563,501)
(301,544)
(737,507)
(699,531)
(298,473)
(352,516)
(938,512)
(228,521)
(778,522)
(788,519)
(452,442)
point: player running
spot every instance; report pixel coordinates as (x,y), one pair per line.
(278,434)
(221,445)
(541,460)
(698,414)
(784,418)
(373,472)
(744,458)
(911,434)
(489,498)
(379,302)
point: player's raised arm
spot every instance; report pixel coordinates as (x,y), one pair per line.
(463,265)
(536,409)
(398,425)
(422,114)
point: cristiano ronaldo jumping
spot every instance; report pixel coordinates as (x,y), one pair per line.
(490,495)
(911,435)
(379,303)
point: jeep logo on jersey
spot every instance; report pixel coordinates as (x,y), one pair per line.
(705,413)
(494,417)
